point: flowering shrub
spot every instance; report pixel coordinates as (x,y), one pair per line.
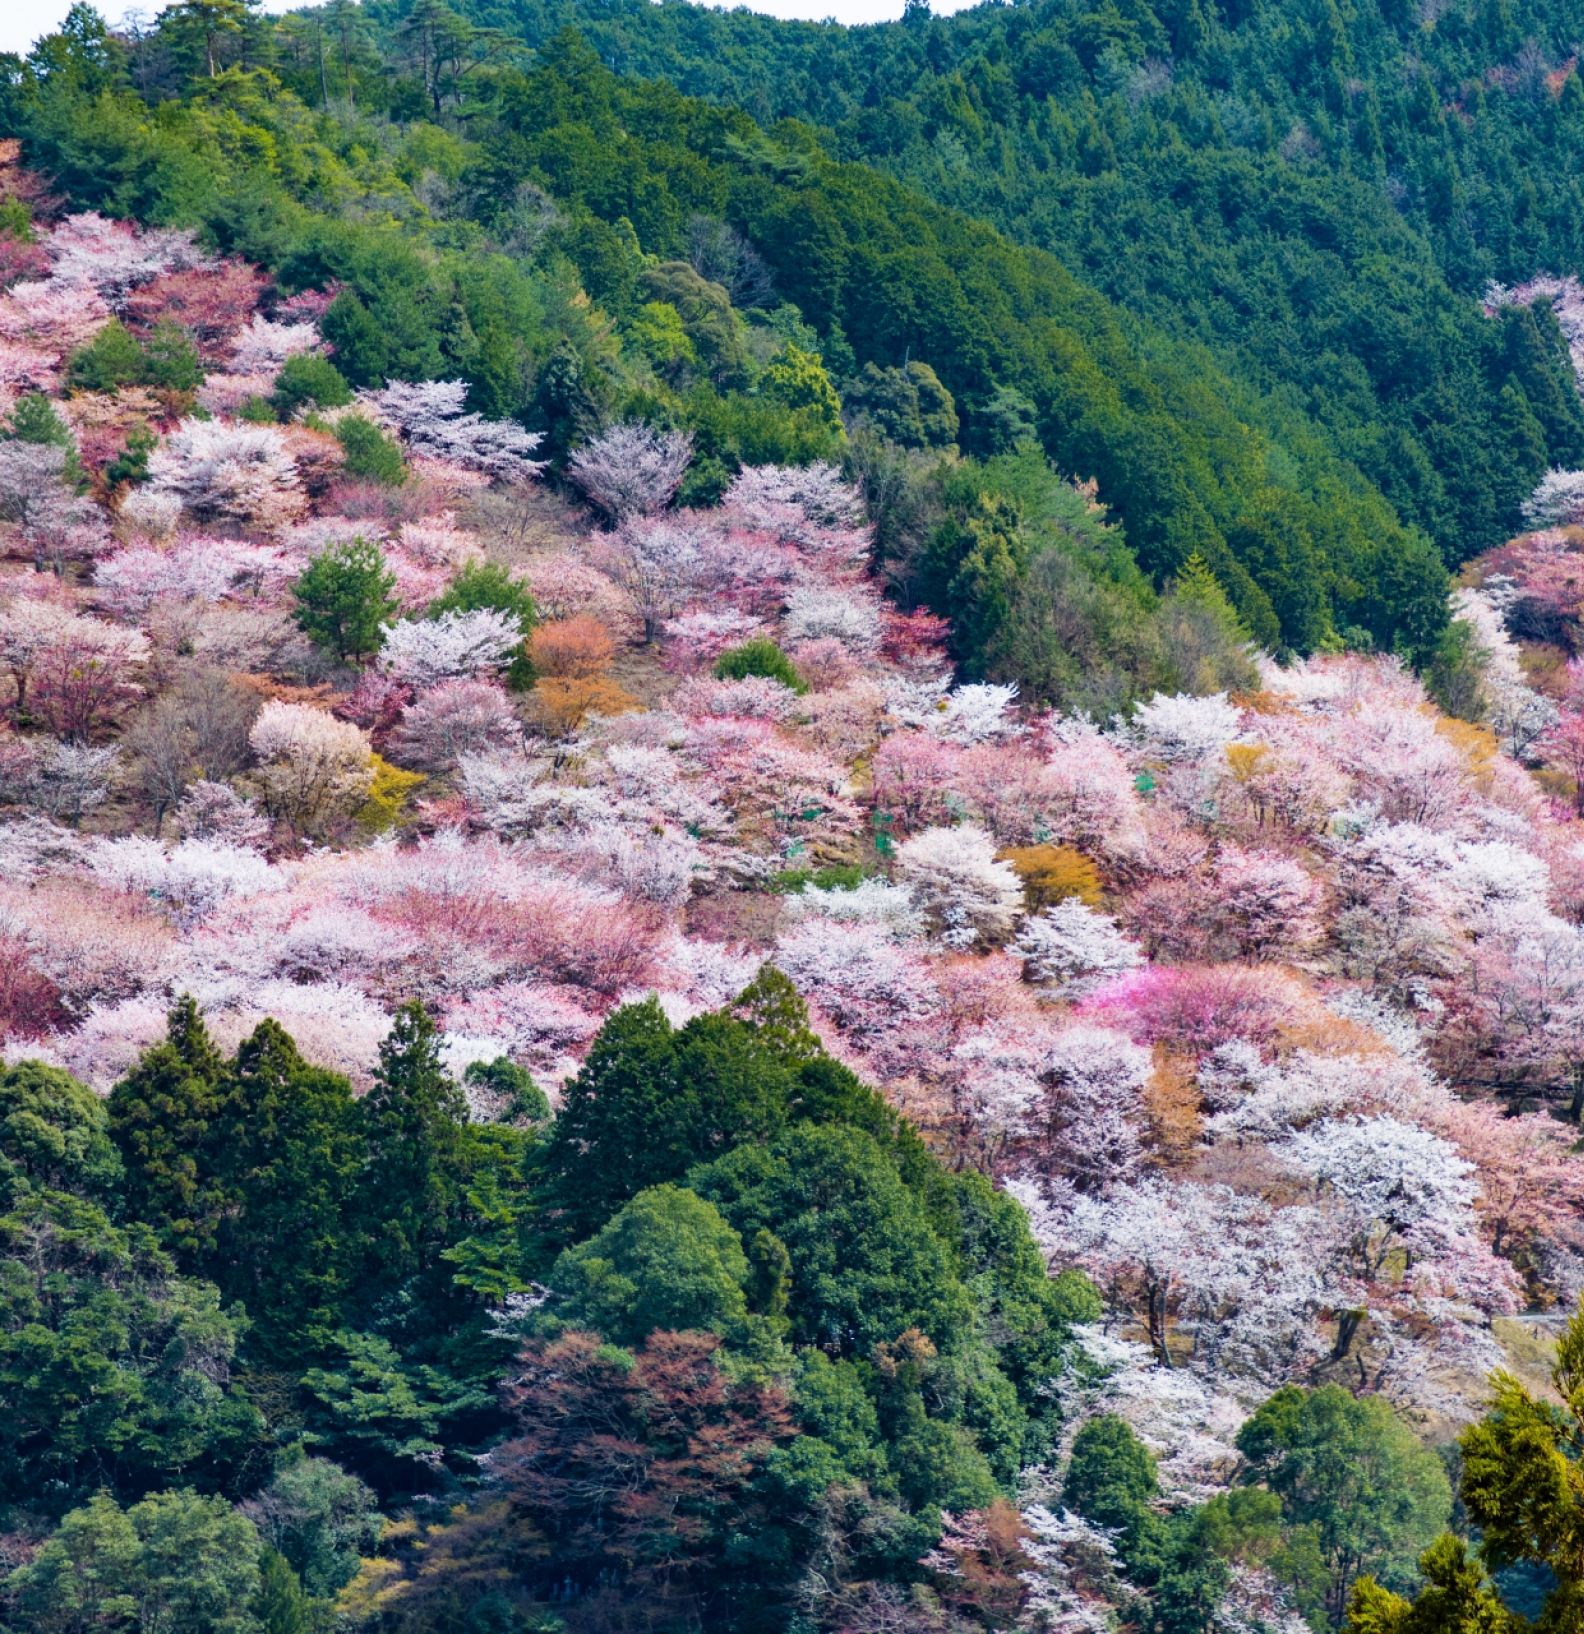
(755,696)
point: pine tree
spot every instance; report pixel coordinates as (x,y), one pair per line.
(161,1116)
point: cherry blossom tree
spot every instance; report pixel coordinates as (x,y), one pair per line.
(1086,1126)
(236,473)
(432,418)
(968,896)
(79,670)
(216,812)
(1403,1189)
(971,714)
(424,652)
(1268,904)
(196,568)
(191,878)
(817,490)
(311,766)
(53,316)
(455,718)
(871,902)
(55,522)
(833,615)
(755,696)
(1074,949)
(212,305)
(700,636)
(1558,500)
(654,561)
(632,469)
(114,257)
(1183,728)
(867,983)
(1561,748)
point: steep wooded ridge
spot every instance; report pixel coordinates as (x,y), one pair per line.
(1319,194)
(726,909)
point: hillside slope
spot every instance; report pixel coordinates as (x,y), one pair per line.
(1318,194)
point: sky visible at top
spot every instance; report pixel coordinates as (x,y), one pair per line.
(23,21)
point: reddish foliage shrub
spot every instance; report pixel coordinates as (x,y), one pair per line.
(30,1003)
(210,306)
(21,261)
(1195,1007)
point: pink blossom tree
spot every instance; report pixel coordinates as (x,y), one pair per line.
(632,469)
(456,718)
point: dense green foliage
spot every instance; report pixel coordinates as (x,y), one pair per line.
(1315,197)
(1358,1491)
(262,1289)
(1520,1487)
(306,380)
(761,656)
(345,597)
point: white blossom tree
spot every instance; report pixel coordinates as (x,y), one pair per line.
(956,880)
(653,560)
(237,473)
(216,812)
(871,902)
(818,490)
(312,767)
(455,718)
(968,715)
(1184,728)
(817,615)
(1074,948)
(432,417)
(421,653)
(1087,1128)
(1558,500)
(632,469)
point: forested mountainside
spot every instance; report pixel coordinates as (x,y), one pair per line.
(1309,552)
(723,910)
(1318,194)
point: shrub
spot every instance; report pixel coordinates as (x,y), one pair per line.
(488,585)
(388,791)
(561,705)
(308,379)
(170,360)
(369,452)
(761,656)
(111,359)
(1053,873)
